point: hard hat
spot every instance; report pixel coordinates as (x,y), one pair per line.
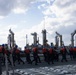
(16,46)
(3,45)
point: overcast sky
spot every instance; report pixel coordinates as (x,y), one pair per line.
(29,16)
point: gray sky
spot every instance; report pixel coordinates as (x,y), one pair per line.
(29,16)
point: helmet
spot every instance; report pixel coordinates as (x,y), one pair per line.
(74,46)
(16,46)
(3,45)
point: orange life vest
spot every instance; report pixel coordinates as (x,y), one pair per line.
(63,49)
(50,50)
(6,52)
(0,49)
(34,49)
(17,51)
(74,49)
(71,49)
(44,50)
(27,51)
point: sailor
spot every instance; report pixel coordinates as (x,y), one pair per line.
(44,51)
(51,54)
(35,55)
(0,67)
(0,60)
(71,52)
(74,52)
(63,53)
(17,52)
(3,53)
(27,53)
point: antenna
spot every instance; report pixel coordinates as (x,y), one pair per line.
(44,23)
(26,39)
(75,40)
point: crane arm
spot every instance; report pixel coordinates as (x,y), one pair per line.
(11,31)
(73,33)
(58,34)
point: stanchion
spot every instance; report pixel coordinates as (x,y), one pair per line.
(6,62)
(0,67)
(12,65)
